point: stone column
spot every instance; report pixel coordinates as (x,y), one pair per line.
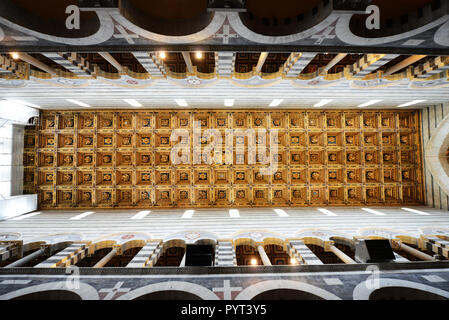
(147,256)
(67,257)
(26,259)
(344,257)
(397,244)
(225,254)
(263,255)
(302,253)
(106,259)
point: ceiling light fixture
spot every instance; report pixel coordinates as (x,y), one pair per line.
(82,215)
(326,212)
(323,102)
(369,103)
(199,55)
(281,213)
(181,102)
(253,262)
(410,103)
(140,215)
(79,103)
(188,214)
(416,211)
(377,213)
(15,55)
(276,102)
(133,102)
(228,102)
(234,213)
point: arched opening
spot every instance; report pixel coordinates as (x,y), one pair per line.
(286,294)
(49,295)
(163,18)
(247,255)
(349,251)
(395,16)
(171,257)
(247,61)
(48,16)
(324,256)
(280,9)
(403,293)
(90,260)
(122,260)
(284,17)
(277,254)
(284,289)
(169,295)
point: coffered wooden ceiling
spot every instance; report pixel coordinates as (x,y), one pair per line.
(121,159)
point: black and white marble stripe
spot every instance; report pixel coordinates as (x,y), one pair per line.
(151,63)
(296,63)
(376,65)
(71,61)
(69,256)
(225,63)
(147,256)
(303,253)
(225,254)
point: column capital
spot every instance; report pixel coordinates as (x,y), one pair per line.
(328,244)
(395,243)
(118,248)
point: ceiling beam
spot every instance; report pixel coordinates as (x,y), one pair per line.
(38,64)
(403,64)
(334,61)
(263,56)
(107,56)
(188,61)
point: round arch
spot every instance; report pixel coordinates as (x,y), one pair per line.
(264,286)
(192,236)
(157,18)
(174,243)
(435,155)
(132,244)
(386,233)
(85,291)
(251,237)
(183,286)
(101,245)
(364,289)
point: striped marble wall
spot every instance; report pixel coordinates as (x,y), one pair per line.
(431,117)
